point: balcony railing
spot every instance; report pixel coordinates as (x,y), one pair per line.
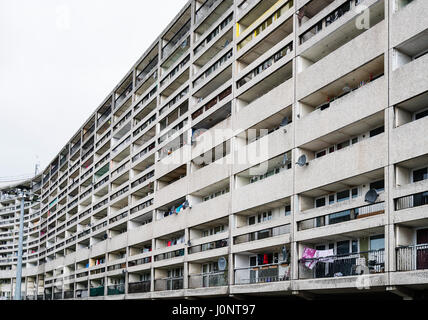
(68,294)
(123,95)
(209,246)
(262,234)
(411,201)
(169,284)
(265,65)
(167,49)
(116,289)
(351,264)
(97,292)
(342,216)
(139,287)
(411,258)
(263,273)
(213,34)
(58,295)
(205,280)
(104,116)
(329,19)
(147,70)
(83,293)
(205,9)
(225,58)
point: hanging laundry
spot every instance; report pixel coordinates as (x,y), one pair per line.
(309,253)
(324,253)
(265,259)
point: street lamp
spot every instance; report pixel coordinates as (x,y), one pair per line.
(23,194)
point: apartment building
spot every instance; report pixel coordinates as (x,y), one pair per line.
(257,147)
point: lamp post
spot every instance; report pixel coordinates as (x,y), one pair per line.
(19,265)
(23,195)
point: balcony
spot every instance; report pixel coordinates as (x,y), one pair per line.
(313,76)
(139,287)
(343,265)
(411,201)
(169,284)
(116,289)
(362,102)
(365,156)
(207,280)
(272,188)
(411,258)
(82,293)
(96,292)
(168,48)
(205,9)
(263,274)
(408,142)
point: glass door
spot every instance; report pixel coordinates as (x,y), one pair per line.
(422,251)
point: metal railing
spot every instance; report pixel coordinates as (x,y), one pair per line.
(147,70)
(205,9)
(413,257)
(116,289)
(82,293)
(96,292)
(167,49)
(351,264)
(123,95)
(139,287)
(263,273)
(169,284)
(205,280)
(262,234)
(411,201)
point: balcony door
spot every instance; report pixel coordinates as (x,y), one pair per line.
(422,252)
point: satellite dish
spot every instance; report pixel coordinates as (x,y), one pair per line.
(371,196)
(302,160)
(222,263)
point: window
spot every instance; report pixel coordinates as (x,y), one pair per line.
(320,154)
(261,217)
(320,202)
(331,199)
(354,245)
(377,242)
(376,131)
(421,114)
(420,174)
(343,247)
(342,145)
(354,193)
(287,210)
(252,220)
(339,217)
(343,195)
(378,185)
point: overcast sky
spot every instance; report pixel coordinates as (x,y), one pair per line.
(58,60)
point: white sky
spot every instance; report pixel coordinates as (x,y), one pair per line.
(58,60)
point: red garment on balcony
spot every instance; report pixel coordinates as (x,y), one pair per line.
(265,259)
